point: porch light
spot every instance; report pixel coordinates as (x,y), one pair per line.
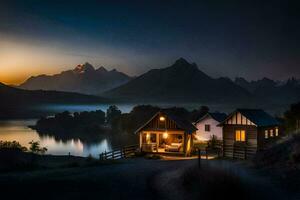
(165,135)
(147,135)
(162,118)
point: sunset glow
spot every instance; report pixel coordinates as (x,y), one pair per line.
(45,37)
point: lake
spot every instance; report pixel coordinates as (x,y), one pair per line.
(18,130)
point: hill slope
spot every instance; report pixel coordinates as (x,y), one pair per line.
(83,79)
(18,102)
(181,82)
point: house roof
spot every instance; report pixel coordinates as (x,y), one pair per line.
(219,117)
(180,122)
(257,116)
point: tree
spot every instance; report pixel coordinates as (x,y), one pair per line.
(35,148)
(292,117)
(112,113)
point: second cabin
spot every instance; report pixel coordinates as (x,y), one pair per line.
(246,131)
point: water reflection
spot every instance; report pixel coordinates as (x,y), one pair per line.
(11,130)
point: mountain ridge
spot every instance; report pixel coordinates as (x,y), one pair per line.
(182,81)
(84,78)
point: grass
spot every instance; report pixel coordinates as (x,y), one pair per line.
(211,183)
(281,161)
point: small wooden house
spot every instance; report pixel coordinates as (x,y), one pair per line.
(246,131)
(208,127)
(166,133)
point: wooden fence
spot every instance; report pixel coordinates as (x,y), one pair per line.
(243,152)
(119,153)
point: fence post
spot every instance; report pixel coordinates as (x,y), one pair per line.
(245,152)
(113,154)
(206,154)
(105,155)
(199,158)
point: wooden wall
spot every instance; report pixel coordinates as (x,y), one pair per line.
(262,141)
(241,150)
(156,124)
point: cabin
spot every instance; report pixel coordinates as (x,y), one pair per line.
(166,133)
(246,131)
(208,127)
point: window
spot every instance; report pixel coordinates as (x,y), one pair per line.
(207,127)
(266,134)
(276,132)
(271,133)
(240,135)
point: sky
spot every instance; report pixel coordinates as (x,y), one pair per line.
(252,39)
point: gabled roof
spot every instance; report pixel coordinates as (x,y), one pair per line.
(257,116)
(180,122)
(219,117)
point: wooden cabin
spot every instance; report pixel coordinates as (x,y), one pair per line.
(166,133)
(208,126)
(246,131)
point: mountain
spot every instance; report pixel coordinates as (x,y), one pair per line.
(19,103)
(253,85)
(181,82)
(275,92)
(83,79)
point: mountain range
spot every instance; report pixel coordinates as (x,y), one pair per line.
(276,92)
(84,78)
(180,82)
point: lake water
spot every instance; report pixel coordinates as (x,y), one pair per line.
(17,130)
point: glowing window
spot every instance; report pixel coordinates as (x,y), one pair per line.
(240,135)
(271,133)
(276,132)
(266,134)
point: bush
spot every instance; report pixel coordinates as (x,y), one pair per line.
(285,152)
(295,154)
(12,145)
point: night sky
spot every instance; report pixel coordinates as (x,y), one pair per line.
(252,40)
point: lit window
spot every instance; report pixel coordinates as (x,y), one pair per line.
(276,132)
(271,133)
(266,134)
(240,135)
(207,127)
